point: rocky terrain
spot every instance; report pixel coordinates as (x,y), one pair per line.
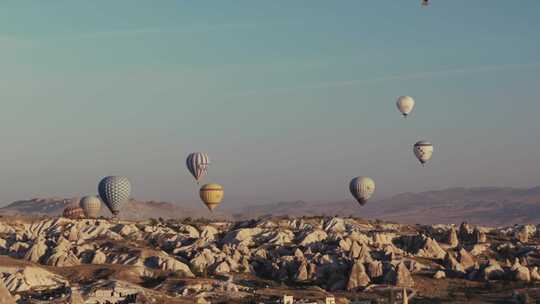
(58,260)
(491,206)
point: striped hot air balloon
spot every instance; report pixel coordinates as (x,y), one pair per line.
(197,164)
(362,189)
(91,206)
(73,212)
(114,191)
(211,195)
(423,150)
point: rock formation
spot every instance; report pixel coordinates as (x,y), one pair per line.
(452,238)
(5,295)
(358,277)
(214,258)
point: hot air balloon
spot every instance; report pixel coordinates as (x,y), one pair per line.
(114,191)
(91,206)
(405,105)
(211,195)
(197,163)
(423,150)
(362,189)
(73,212)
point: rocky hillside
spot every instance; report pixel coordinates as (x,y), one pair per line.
(60,260)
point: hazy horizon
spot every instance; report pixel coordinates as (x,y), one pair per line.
(235,204)
(290,100)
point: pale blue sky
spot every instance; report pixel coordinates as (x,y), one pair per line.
(291,99)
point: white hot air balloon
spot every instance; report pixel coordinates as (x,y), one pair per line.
(405,105)
(423,150)
(362,189)
(91,206)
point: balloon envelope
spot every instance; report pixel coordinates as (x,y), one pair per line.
(73,212)
(197,164)
(362,189)
(91,206)
(405,105)
(423,150)
(114,191)
(211,195)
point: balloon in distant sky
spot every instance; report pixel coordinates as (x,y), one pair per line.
(91,206)
(114,191)
(73,212)
(197,163)
(211,195)
(362,189)
(405,105)
(423,150)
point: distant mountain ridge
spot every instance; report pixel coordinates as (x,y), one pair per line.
(133,209)
(493,206)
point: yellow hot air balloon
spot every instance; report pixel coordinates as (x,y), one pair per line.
(211,195)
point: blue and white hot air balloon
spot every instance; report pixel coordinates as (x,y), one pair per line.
(114,191)
(197,164)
